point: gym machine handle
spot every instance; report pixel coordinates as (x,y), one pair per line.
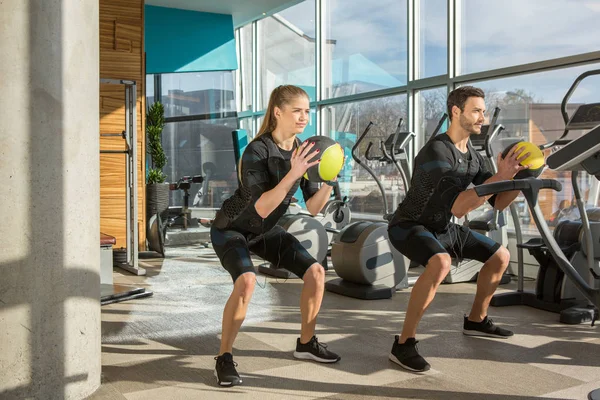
(554,143)
(360,139)
(368,155)
(493,131)
(517,184)
(366,167)
(563,104)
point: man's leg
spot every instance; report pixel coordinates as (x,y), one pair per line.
(417,243)
(423,293)
(496,258)
(487,283)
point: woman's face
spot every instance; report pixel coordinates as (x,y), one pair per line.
(293,117)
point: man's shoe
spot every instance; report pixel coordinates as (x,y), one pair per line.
(485,328)
(313,350)
(407,356)
(225,371)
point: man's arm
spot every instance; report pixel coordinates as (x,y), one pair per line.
(508,167)
(468,200)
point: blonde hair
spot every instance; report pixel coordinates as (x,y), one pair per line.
(280,96)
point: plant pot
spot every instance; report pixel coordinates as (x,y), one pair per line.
(157,200)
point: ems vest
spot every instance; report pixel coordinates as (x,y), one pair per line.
(430,204)
(238,212)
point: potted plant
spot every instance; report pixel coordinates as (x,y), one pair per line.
(157,190)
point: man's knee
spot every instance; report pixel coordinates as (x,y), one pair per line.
(439,266)
(500,259)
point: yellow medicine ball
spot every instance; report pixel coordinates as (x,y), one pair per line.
(331,155)
(535,160)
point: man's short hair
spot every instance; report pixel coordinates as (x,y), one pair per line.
(458,97)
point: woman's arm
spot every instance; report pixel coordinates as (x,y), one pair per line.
(271,199)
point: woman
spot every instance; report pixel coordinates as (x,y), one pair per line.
(270,171)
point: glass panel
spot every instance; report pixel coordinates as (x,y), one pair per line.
(149,89)
(195,93)
(344,122)
(197,148)
(246,123)
(498,34)
(365,46)
(432,105)
(287,50)
(245,83)
(433,40)
(531,111)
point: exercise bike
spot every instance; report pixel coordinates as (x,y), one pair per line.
(157,228)
(368,266)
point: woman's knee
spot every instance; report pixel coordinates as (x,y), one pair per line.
(439,266)
(244,285)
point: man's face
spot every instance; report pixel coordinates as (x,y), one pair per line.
(472,118)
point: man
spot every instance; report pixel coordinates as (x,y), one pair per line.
(422,230)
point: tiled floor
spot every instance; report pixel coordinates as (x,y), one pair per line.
(162,347)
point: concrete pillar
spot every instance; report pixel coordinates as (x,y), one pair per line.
(49,199)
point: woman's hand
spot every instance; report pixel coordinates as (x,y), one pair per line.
(301,159)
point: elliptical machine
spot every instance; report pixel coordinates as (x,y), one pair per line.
(579,240)
(368,266)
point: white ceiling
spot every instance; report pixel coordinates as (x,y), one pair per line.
(242,11)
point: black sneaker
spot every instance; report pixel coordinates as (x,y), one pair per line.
(225,371)
(407,356)
(485,328)
(313,350)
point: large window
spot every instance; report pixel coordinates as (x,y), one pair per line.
(200,116)
(287,50)
(365,46)
(201,148)
(345,123)
(198,93)
(433,38)
(362,61)
(496,34)
(530,107)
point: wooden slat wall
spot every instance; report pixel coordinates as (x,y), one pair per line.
(121,57)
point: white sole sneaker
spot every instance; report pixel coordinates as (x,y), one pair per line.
(396,361)
(482,334)
(309,356)
(224,383)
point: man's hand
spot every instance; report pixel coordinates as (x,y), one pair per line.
(510,165)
